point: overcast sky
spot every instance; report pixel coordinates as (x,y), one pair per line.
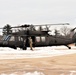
(16,12)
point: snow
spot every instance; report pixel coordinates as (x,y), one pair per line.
(72,72)
(39,73)
(41,52)
(28,73)
(8,53)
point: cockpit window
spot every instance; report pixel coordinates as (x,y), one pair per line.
(5,38)
(12,38)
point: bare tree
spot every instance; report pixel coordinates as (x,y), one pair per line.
(65,31)
(57,32)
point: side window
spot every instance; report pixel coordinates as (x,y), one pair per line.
(37,39)
(19,39)
(43,39)
(12,38)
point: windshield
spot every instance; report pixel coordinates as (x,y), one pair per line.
(6,37)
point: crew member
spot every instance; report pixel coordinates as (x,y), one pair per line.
(31,43)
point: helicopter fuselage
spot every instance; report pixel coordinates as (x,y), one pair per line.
(31,37)
(37,41)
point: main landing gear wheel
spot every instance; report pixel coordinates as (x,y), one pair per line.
(24,48)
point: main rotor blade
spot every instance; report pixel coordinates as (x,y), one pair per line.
(1,28)
(27,25)
(54,24)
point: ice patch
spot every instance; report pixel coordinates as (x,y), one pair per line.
(72,72)
(34,73)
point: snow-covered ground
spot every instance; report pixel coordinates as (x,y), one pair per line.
(24,73)
(41,52)
(40,73)
(8,53)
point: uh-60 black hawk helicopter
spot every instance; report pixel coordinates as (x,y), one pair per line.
(31,36)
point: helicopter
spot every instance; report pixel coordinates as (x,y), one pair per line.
(36,36)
